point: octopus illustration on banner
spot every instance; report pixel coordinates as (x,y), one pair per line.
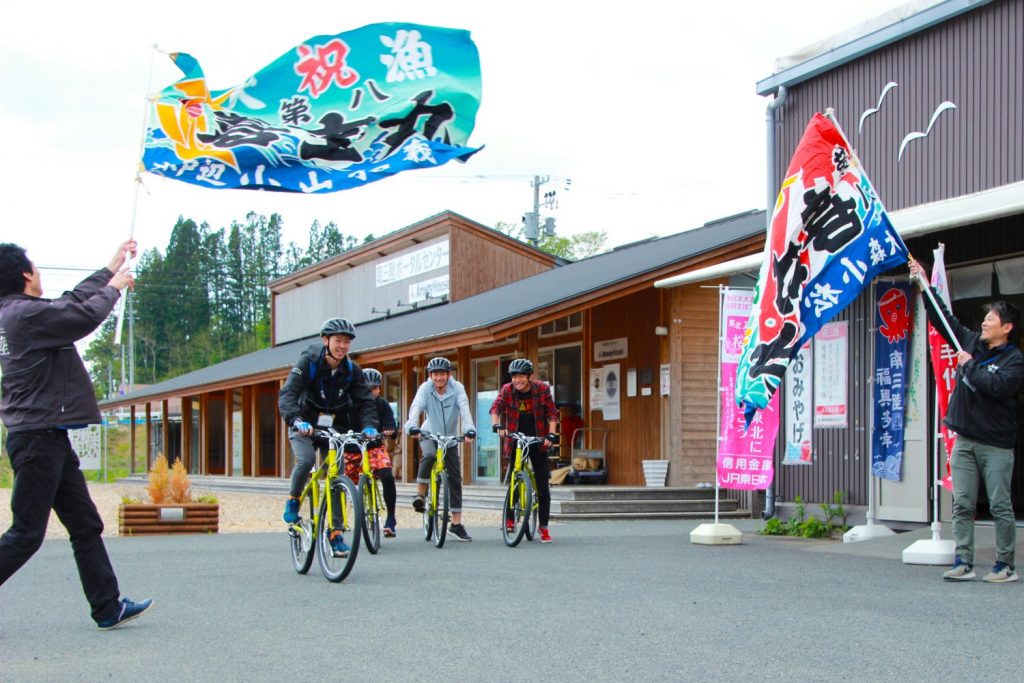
(335,112)
(829,237)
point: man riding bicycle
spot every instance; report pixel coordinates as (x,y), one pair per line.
(324,389)
(525,405)
(443,400)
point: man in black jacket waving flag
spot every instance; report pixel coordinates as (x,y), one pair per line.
(983,413)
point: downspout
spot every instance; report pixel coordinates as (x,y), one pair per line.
(771,119)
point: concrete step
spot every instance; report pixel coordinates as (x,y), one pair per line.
(736,514)
(641,506)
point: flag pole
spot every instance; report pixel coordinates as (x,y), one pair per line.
(919,279)
(718,534)
(119,329)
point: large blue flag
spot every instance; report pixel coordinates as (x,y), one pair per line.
(333,113)
(829,237)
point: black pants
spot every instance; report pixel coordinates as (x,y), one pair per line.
(387,483)
(47,475)
(542,473)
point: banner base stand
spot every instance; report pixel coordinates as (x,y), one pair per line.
(932,551)
(863,532)
(716,534)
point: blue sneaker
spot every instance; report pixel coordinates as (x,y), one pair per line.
(1001,573)
(389,528)
(960,571)
(129,610)
(339,546)
(291,511)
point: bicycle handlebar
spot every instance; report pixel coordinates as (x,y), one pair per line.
(445,441)
(339,439)
(526,440)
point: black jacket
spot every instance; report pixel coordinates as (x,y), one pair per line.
(45,383)
(983,406)
(385,418)
(310,390)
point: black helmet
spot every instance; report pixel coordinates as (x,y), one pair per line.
(439,365)
(334,326)
(520,366)
(373,377)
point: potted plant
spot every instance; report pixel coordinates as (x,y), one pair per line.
(172,509)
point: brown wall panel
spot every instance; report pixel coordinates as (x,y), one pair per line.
(976,61)
(636,435)
(479,264)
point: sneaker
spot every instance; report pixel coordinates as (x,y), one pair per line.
(417,503)
(510,526)
(460,532)
(129,610)
(1001,573)
(339,546)
(389,528)
(545,536)
(291,511)
(961,571)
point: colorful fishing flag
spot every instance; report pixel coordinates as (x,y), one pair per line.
(829,237)
(336,112)
(944,362)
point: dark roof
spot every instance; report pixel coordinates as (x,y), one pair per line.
(494,306)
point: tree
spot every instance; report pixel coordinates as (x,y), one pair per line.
(573,248)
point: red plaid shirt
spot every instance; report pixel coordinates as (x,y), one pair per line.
(506,408)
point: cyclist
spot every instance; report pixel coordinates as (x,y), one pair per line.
(525,405)
(325,389)
(443,401)
(380,461)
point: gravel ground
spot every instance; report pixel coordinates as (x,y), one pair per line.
(240,513)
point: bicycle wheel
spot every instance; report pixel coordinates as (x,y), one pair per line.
(516,498)
(533,517)
(441,510)
(428,516)
(351,526)
(369,490)
(300,535)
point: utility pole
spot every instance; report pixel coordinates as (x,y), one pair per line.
(131,342)
(531,219)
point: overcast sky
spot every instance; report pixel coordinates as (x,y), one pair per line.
(649,109)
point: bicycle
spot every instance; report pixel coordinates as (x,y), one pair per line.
(436,507)
(373,503)
(313,531)
(521,508)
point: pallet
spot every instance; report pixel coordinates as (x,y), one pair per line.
(137,519)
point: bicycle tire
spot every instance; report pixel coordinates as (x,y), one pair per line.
(335,569)
(514,508)
(428,516)
(534,517)
(369,490)
(302,535)
(441,511)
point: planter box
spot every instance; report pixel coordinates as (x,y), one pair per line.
(655,472)
(136,519)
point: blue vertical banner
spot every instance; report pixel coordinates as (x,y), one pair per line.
(893,321)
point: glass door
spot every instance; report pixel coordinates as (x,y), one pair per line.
(487,376)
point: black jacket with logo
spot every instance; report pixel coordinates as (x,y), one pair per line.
(45,383)
(983,406)
(311,389)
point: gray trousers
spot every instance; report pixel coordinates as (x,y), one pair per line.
(972,463)
(305,455)
(452,465)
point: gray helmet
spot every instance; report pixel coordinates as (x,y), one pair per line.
(520,366)
(373,377)
(334,326)
(439,365)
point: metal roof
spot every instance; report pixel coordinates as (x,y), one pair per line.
(872,35)
(492,307)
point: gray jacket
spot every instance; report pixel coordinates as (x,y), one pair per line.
(442,412)
(44,382)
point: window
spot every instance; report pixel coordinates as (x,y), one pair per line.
(570,323)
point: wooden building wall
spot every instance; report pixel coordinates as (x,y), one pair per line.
(636,436)
(693,354)
(479,264)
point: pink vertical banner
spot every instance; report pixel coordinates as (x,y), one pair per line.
(745,457)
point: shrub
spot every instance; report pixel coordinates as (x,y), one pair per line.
(180,486)
(159,481)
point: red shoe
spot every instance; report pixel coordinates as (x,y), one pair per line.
(510,526)
(545,536)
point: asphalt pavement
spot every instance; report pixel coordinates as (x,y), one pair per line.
(607,601)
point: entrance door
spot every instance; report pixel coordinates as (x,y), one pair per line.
(487,376)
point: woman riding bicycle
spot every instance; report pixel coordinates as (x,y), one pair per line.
(526,406)
(380,461)
(324,389)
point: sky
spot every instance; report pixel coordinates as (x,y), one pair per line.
(649,109)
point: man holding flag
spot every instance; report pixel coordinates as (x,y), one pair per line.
(983,413)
